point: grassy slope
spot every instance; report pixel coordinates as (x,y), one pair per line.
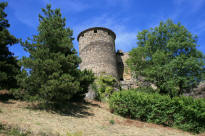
(90,119)
(11,132)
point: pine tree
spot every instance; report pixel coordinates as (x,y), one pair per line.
(51,72)
(8,63)
(167,56)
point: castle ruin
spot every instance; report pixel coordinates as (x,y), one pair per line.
(98,53)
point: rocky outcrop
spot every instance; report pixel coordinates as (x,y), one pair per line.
(198,92)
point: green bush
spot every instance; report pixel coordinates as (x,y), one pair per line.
(104,86)
(146,89)
(112,122)
(185,113)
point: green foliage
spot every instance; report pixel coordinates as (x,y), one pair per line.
(146,89)
(51,73)
(185,113)
(8,63)
(167,57)
(112,122)
(104,86)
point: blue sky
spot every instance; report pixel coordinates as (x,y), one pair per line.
(125,17)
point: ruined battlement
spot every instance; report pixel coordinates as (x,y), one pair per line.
(98,53)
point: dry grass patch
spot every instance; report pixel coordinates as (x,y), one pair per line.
(91,119)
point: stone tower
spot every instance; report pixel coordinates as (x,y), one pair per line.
(97,51)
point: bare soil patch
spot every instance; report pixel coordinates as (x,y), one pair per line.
(91,119)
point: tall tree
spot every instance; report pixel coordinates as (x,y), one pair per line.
(8,63)
(51,72)
(167,56)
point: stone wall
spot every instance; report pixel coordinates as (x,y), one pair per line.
(125,75)
(97,51)
(198,92)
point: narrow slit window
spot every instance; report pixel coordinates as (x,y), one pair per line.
(109,33)
(95,31)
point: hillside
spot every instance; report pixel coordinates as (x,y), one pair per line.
(91,119)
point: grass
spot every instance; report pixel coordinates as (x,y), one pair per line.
(112,121)
(78,119)
(75,119)
(74,134)
(11,131)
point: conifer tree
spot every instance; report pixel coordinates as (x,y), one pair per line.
(8,63)
(167,56)
(51,72)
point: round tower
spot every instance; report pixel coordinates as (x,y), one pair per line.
(97,51)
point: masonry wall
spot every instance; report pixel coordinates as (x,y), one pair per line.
(97,51)
(125,75)
(123,69)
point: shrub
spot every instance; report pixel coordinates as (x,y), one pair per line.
(112,122)
(185,113)
(104,86)
(146,89)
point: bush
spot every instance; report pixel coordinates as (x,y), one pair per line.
(104,86)
(146,89)
(185,113)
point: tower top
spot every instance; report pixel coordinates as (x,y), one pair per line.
(97,28)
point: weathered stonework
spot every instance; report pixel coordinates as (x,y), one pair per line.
(198,92)
(123,70)
(97,51)
(125,75)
